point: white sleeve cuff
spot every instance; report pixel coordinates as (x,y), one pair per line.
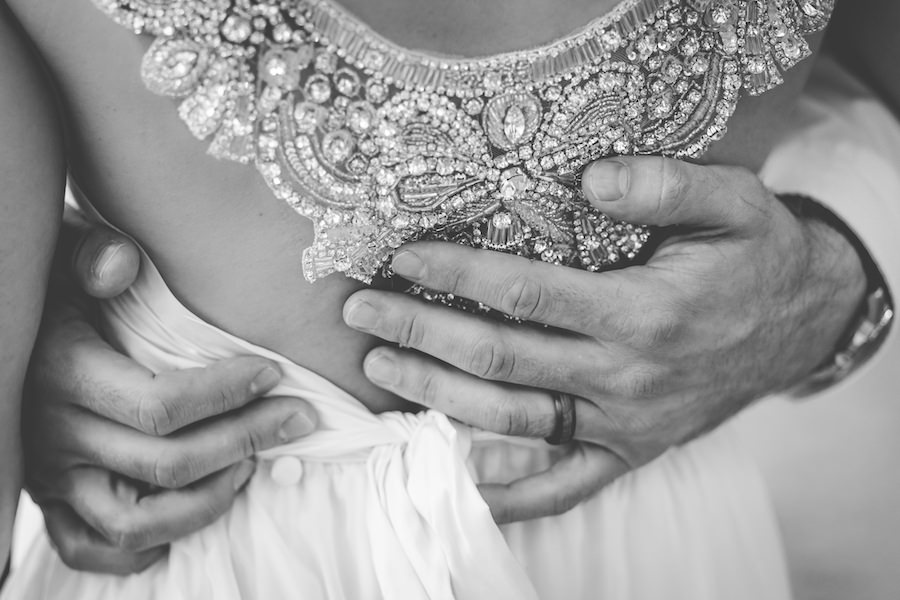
(844,151)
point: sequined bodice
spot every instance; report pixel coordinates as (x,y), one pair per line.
(380,145)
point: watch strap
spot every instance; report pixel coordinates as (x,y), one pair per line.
(874,317)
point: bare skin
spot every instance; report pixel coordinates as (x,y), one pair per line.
(243,272)
(229,249)
(31,169)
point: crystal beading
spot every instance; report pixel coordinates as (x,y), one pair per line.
(380,145)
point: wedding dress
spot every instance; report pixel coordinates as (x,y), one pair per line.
(385,506)
(380,145)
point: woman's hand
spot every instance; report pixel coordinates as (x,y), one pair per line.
(740,300)
(99,430)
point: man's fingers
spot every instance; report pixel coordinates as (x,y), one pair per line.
(505,409)
(83,549)
(565,298)
(484,348)
(183,397)
(574,478)
(113,385)
(104,262)
(662,191)
(622,425)
(135,522)
(190,454)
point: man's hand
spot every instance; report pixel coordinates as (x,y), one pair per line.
(123,461)
(741,299)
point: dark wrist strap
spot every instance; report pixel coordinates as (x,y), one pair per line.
(873,318)
(804,207)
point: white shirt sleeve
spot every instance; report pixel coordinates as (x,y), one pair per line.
(830,461)
(844,150)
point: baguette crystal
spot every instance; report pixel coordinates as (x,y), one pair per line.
(379,145)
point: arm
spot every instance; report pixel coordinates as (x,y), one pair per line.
(844,150)
(93,415)
(32,172)
(746,300)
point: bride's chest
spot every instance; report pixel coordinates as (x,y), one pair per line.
(377,143)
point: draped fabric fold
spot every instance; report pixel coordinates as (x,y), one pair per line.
(426,505)
(386,507)
(431,533)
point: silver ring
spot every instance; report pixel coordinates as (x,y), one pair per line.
(564,425)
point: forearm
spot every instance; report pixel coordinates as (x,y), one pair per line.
(32,173)
(845,152)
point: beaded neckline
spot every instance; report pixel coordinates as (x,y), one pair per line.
(380,145)
(345,20)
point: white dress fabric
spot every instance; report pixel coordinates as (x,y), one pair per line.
(830,462)
(385,506)
(694,524)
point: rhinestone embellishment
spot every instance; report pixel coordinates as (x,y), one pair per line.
(379,145)
(512,120)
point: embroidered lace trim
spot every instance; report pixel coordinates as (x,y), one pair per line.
(380,145)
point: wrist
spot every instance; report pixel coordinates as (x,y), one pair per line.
(859,307)
(834,261)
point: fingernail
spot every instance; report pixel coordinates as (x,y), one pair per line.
(243,472)
(607,181)
(361,315)
(382,371)
(265,380)
(407,264)
(104,259)
(296,426)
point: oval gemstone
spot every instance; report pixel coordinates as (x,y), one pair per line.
(338,145)
(514,124)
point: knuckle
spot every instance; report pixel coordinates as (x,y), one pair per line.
(172,470)
(626,424)
(455,278)
(411,331)
(252,442)
(639,424)
(751,195)
(155,416)
(641,383)
(524,297)
(124,534)
(659,327)
(653,322)
(508,417)
(491,359)
(226,398)
(633,434)
(673,190)
(432,388)
(629,324)
(597,381)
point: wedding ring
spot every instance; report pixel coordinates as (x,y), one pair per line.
(564,425)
